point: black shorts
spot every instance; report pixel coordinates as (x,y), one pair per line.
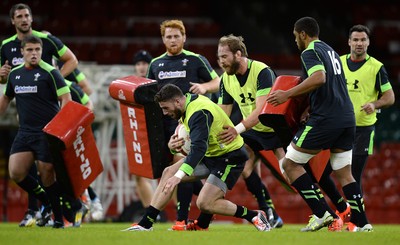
(364,141)
(259,141)
(226,168)
(33,142)
(316,138)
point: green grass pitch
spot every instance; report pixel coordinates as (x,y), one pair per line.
(221,234)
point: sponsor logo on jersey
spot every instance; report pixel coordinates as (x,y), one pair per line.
(171,74)
(25,89)
(17,61)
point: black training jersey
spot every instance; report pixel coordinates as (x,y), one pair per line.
(36,91)
(180,70)
(330,104)
(11,49)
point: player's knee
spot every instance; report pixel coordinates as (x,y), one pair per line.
(341,159)
(246,172)
(168,172)
(297,156)
(204,205)
(16,176)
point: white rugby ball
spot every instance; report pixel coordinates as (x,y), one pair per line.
(183,133)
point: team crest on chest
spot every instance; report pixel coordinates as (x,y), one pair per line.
(37,75)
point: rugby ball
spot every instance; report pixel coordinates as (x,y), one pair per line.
(183,133)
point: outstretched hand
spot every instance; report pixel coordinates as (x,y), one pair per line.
(197,88)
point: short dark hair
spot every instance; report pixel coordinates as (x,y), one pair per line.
(168,92)
(359,28)
(234,43)
(19,6)
(307,24)
(142,55)
(31,39)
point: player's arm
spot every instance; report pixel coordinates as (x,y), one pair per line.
(225,100)
(203,88)
(205,73)
(84,84)
(386,97)
(4,102)
(61,87)
(226,108)
(252,119)
(82,81)
(199,124)
(64,99)
(314,81)
(70,62)
(264,83)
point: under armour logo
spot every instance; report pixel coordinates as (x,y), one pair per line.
(184,62)
(161,64)
(37,75)
(244,98)
(13,49)
(355,84)
(17,77)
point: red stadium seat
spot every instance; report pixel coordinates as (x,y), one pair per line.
(96,8)
(146,29)
(190,9)
(287,61)
(207,29)
(82,50)
(114,27)
(126,8)
(108,53)
(89,26)
(37,7)
(157,8)
(64,8)
(57,26)
(207,50)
